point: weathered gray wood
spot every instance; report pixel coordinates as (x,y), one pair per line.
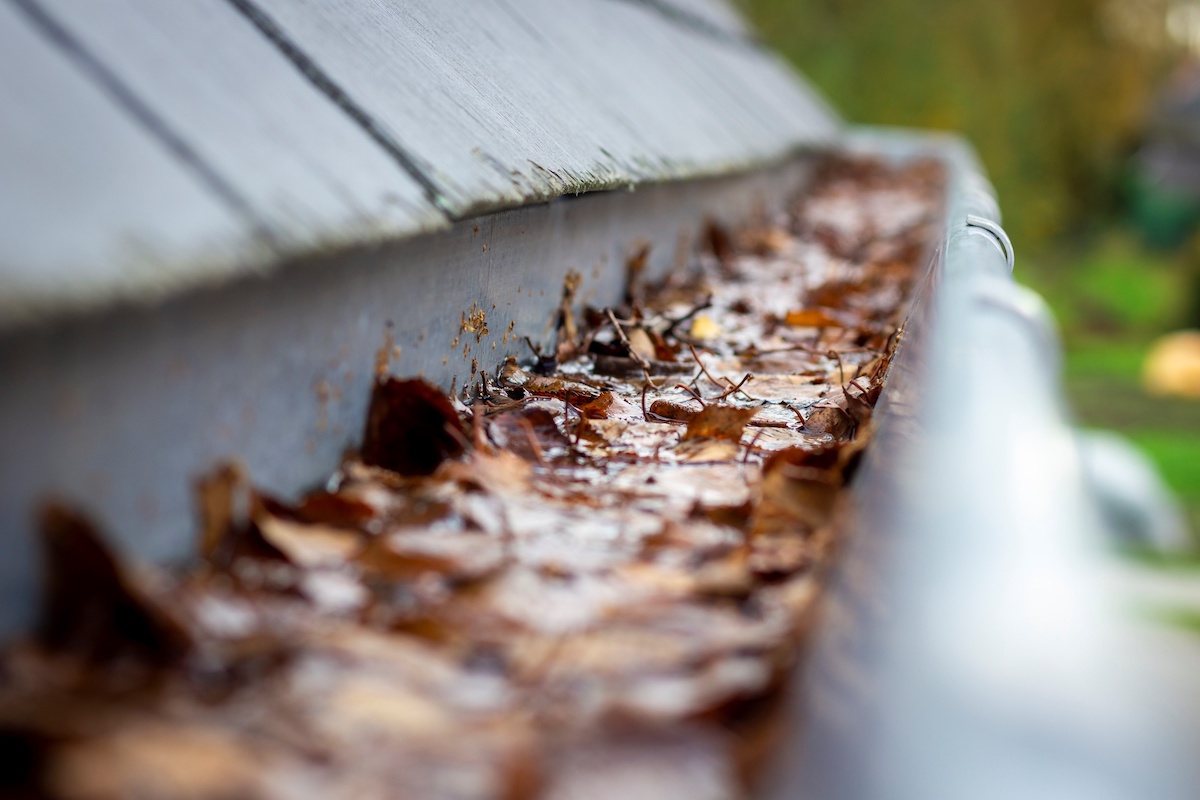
(663,72)
(502,103)
(349,124)
(92,207)
(694,104)
(305,168)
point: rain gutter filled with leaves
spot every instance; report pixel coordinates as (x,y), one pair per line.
(608,554)
(609,563)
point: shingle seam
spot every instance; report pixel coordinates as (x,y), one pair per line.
(325,84)
(144,114)
(699,25)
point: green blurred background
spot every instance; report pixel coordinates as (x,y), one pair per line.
(1057,95)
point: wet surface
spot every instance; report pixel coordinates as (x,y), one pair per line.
(586,577)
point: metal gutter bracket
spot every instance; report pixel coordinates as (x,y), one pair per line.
(998,235)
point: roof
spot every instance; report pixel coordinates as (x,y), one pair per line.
(152,147)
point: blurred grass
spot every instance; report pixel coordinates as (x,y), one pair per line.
(1113,296)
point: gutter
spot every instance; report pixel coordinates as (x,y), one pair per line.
(972,646)
(974,643)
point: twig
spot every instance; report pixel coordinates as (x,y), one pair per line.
(478,411)
(567,423)
(798,409)
(703,368)
(695,395)
(637,357)
(706,303)
(500,408)
(750,447)
(531,436)
(738,388)
(807,349)
(458,436)
(733,388)
(634,354)
(773,423)
(841,367)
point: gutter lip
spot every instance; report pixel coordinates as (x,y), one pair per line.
(890,700)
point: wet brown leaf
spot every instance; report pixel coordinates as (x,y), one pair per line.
(92,610)
(669,409)
(411,555)
(223,499)
(720,243)
(719,422)
(336,509)
(814,318)
(598,408)
(160,760)
(795,499)
(832,420)
(307,545)
(411,428)
(642,345)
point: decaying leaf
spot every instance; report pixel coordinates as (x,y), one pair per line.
(598,408)
(720,243)
(411,428)
(223,500)
(832,420)
(92,609)
(160,760)
(719,422)
(766,240)
(642,345)
(795,499)
(672,410)
(813,318)
(308,545)
(339,509)
(228,509)
(513,377)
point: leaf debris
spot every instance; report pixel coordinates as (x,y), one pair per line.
(583,579)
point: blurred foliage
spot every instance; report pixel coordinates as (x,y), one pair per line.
(1051,92)
(1114,286)
(1054,94)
